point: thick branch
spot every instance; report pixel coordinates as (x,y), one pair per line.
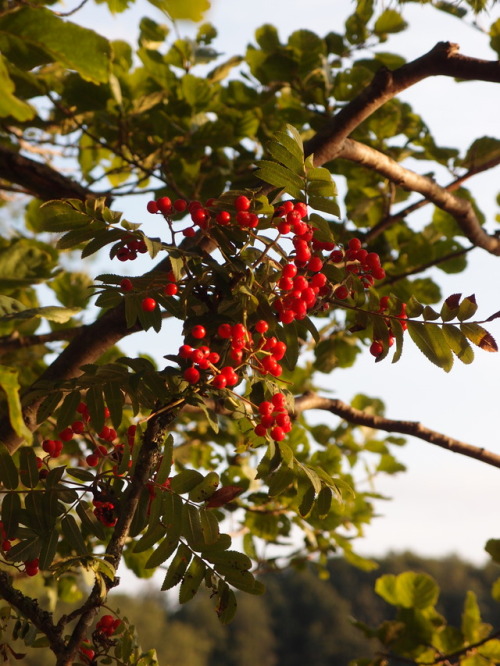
(30,609)
(442,60)
(413,428)
(40,180)
(460,209)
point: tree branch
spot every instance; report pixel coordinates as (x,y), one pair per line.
(461,209)
(442,60)
(414,428)
(40,180)
(9,343)
(388,221)
(40,618)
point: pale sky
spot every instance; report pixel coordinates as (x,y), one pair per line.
(444,503)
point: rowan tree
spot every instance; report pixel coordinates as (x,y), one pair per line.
(198,465)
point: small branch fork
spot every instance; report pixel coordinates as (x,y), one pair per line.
(413,428)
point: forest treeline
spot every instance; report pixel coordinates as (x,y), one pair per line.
(301,620)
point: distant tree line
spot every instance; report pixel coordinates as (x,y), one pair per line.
(301,620)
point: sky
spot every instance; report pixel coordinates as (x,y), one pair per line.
(444,503)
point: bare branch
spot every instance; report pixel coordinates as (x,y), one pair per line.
(388,221)
(460,209)
(9,343)
(40,180)
(442,60)
(414,428)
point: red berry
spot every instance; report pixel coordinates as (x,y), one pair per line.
(185,351)
(170,289)
(31,567)
(199,216)
(355,244)
(260,430)
(279,350)
(223,218)
(261,326)
(191,375)
(78,427)
(266,408)
(341,292)
(225,331)
(126,285)
(152,207)
(180,205)
(289,271)
(279,400)
(242,203)
(148,304)
(277,433)
(189,232)
(164,205)
(219,381)
(376,348)
(92,460)
(198,332)
(315,264)
(66,435)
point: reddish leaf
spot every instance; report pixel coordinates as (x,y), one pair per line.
(453,301)
(223,496)
(488,343)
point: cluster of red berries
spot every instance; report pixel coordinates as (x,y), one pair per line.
(31,567)
(130,248)
(108,625)
(105,512)
(148,303)
(298,294)
(377,347)
(261,352)
(358,261)
(274,418)
(202,216)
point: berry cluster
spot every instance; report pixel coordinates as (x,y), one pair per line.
(105,512)
(130,248)
(274,418)
(377,347)
(108,625)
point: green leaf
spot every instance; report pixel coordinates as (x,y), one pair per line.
(28,470)
(192,580)
(162,553)
(432,343)
(467,308)
(281,177)
(10,105)
(89,521)
(226,607)
(307,502)
(408,590)
(27,549)
(177,567)
(458,344)
(48,549)
(73,535)
(185,481)
(10,385)
(192,10)
(389,21)
(324,502)
(41,28)
(166,461)
(95,404)
(11,507)
(8,470)
(206,488)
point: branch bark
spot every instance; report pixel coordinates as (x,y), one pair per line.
(460,209)
(443,60)
(40,180)
(414,428)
